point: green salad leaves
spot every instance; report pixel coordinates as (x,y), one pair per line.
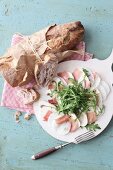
(74,98)
(92,126)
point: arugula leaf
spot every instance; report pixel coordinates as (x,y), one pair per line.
(74,98)
(102,109)
(92,126)
(86,72)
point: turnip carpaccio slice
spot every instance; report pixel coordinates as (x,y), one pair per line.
(63,128)
(52,117)
(104,89)
(78,74)
(106,86)
(83,120)
(87,83)
(103,92)
(99,98)
(91,76)
(45,106)
(97,81)
(99,111)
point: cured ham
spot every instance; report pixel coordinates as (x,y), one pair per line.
(65,76)
(52,101)
(75,124)
(46,116)
(91,117)
(62,119)
(78,74)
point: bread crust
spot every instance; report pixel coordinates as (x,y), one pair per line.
(21,61)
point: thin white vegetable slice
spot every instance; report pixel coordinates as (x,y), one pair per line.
(82,76)
(54,125)
(99,111)
(45,106)
(87,82)
(83,119)
(91,76)
(52,117)
(100,101)
(103,92)
(75,124)
(96,82)
(64,128)
(57,79)
(73,116)
(70,75)
(106,86)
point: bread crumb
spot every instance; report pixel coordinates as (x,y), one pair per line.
(17,115)
(27,116)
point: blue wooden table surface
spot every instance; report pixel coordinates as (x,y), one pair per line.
(19,141)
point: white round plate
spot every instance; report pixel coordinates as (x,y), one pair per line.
(103,68)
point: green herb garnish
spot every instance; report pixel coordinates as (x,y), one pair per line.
(74,98)
(100,110)
(86,72)
(92,126)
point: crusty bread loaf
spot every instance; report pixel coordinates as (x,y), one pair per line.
(20,59)
(64,37)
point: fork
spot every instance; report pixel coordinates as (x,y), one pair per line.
(81,138)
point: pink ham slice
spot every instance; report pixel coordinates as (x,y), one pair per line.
(77,74)
(46,116)
(64,75)
(62,119)
(52,101)
(75,124)
(91,117)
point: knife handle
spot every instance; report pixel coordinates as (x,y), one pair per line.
(49,151)
(45,152)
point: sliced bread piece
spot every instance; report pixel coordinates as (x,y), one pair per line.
(28,96)
(45,70)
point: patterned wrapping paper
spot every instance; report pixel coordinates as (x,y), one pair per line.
(9,95)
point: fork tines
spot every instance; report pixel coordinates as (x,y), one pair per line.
(85,136)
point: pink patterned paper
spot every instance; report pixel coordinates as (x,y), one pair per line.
(9,95)
(12,101)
